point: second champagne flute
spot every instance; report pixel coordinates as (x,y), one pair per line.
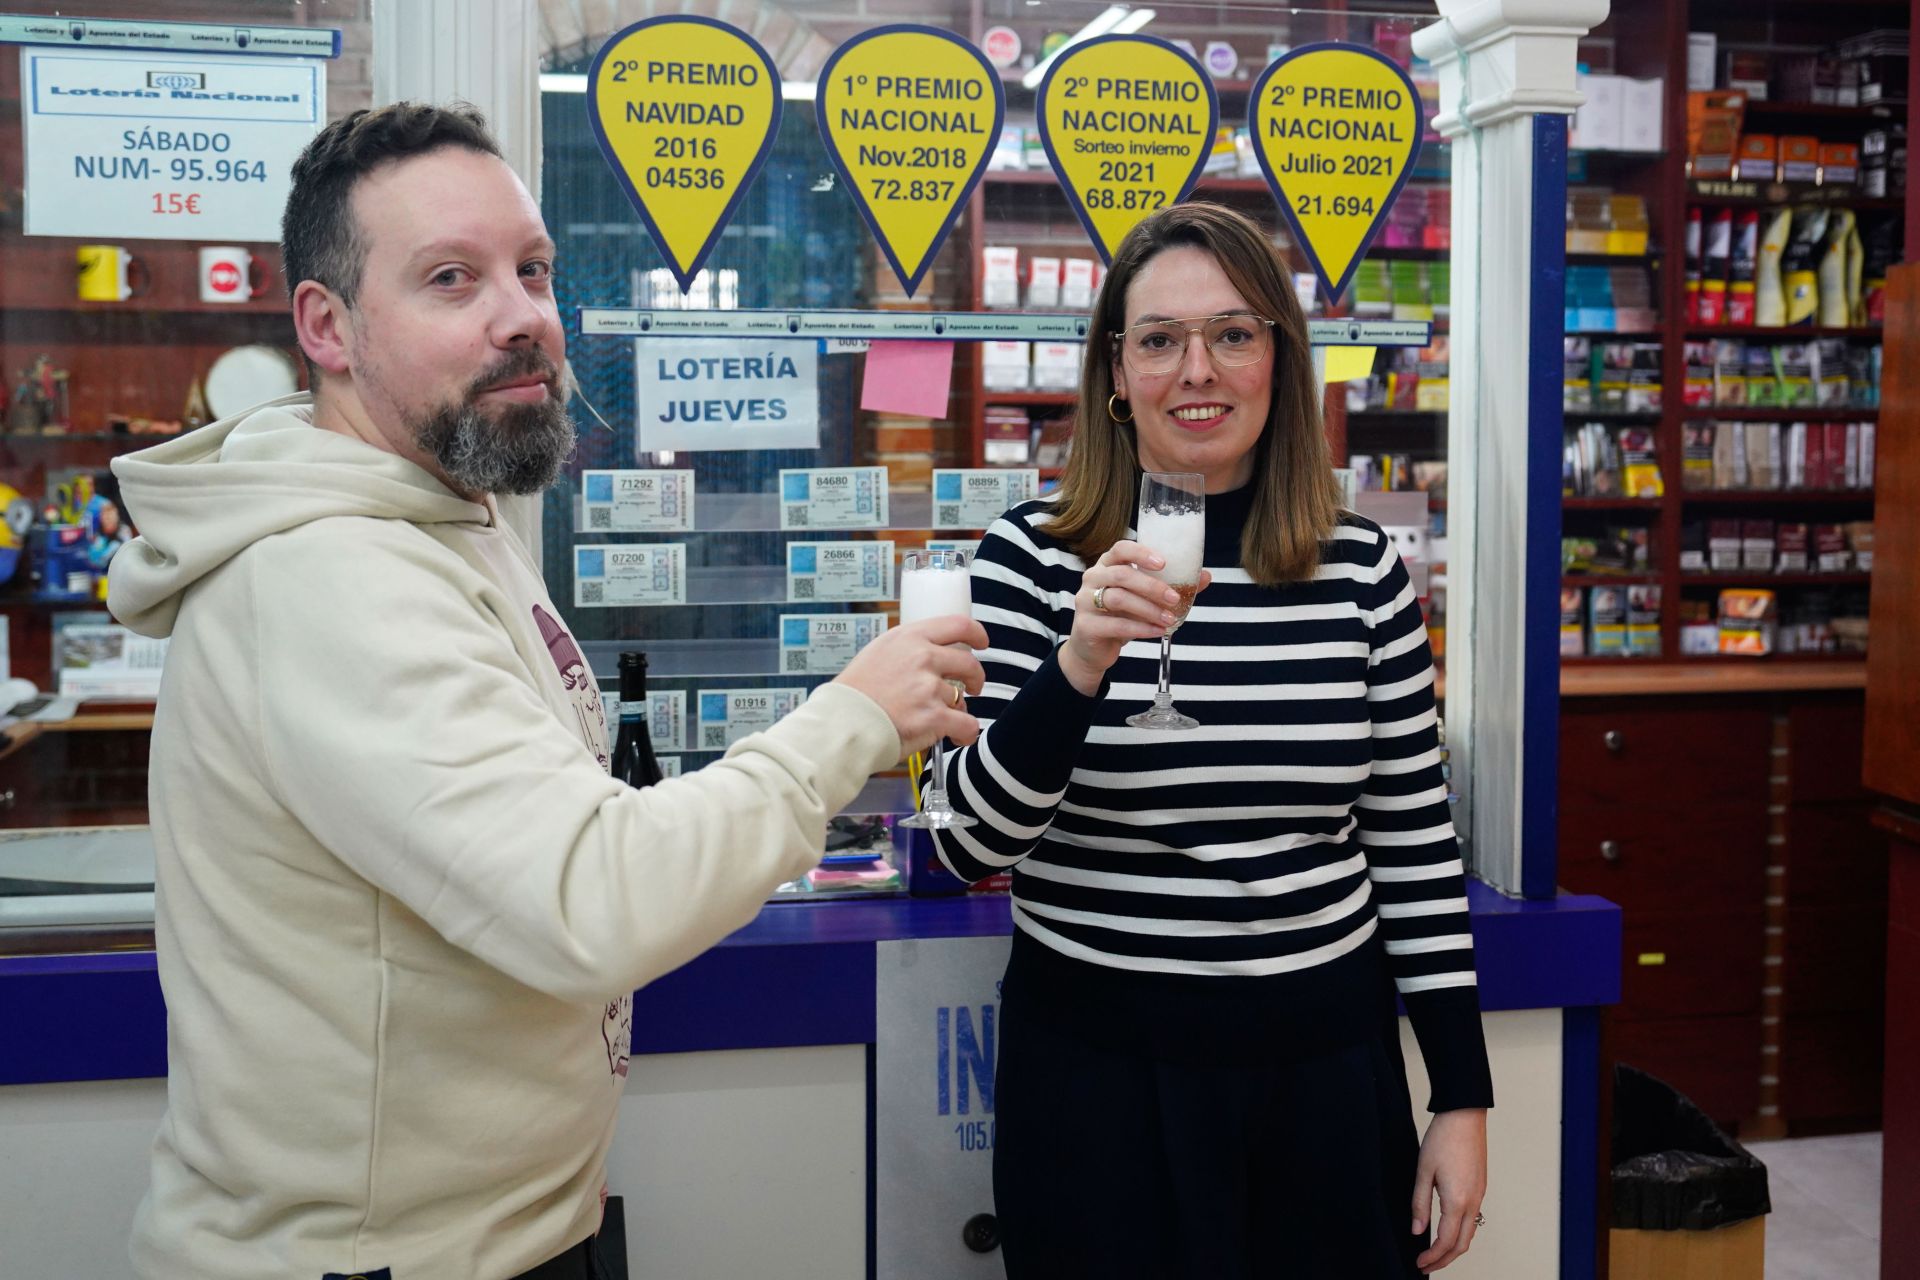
(934,584)
(1173,522)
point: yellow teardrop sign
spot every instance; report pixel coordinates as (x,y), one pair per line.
(685,110)
(1336,127)
(909,115)
(1128,123)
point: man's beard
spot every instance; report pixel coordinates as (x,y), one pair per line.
(517,448)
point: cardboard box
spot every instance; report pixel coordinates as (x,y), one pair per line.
(1839,164)
(1599,122)
(1759,157)
(1713,131)
(1043,283)
(1642,114)
(1702,53)
(999,276)
(1799,158)
(1737,1252)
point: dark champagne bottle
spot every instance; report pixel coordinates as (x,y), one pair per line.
(633,758)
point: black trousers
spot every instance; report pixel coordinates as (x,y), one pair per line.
(598,1257)
(1111,1165)
(582,1262)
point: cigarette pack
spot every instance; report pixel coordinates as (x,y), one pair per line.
(1607,622)
(1723,546)
(1830,554)
(1747,621)
(1696,455)
(1572,622)
(1643,620)
(1791,544)
(1756,546)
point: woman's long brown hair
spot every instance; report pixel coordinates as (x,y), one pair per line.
(1296,500)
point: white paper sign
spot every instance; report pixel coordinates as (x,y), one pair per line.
(619,575)
(969,545)
(839,571)
(936,1011)
(727,394)
(161,146)
(669,766)
(107,661)
(833,498)
(820,644)
(974,497)
(636,501)
(728,715)
(666,716)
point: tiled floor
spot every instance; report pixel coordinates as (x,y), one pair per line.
(1825,1223)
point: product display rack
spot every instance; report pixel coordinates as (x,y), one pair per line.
(1661,178)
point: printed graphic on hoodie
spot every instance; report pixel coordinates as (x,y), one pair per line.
(581,687)
(616,1028)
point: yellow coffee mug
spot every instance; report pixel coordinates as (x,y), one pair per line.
(108,273)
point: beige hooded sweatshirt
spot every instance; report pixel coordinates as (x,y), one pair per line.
(401,906)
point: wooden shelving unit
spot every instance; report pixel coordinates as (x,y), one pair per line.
(1657,47)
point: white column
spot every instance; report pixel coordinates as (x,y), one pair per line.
(1501,64)
(486,52)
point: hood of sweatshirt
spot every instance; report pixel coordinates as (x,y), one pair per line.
(202,499)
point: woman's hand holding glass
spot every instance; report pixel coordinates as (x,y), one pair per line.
(1132,605)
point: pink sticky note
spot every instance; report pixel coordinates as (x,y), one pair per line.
(908,377)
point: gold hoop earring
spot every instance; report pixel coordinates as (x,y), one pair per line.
(1112,413)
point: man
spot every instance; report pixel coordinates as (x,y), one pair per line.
(400,904)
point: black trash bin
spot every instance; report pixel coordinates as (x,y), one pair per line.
(1689,1202)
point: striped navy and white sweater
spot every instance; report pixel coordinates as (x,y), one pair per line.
(1259,886)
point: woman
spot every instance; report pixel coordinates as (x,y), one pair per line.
(1199,1070)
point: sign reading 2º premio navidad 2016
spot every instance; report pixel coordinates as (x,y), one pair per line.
(685,110)
(163,146)
(1336,128)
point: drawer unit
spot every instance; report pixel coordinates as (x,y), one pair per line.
(1692,964)
(1679,752)
(1658,858)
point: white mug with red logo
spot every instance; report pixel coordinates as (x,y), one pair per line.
(228,273)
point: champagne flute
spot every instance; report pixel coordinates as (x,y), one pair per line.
(934,584)
(1173,522)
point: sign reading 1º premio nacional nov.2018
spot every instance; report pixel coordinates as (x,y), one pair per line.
(160,146)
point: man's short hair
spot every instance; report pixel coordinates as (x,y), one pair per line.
(318,237)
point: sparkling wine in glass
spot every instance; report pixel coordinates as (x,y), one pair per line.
(1173,522)
(934,584)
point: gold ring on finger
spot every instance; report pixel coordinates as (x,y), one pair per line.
(956,695)
(1100,599)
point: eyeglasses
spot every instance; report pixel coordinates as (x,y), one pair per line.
(1158,346)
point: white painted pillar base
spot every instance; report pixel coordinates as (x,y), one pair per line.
(1501,63)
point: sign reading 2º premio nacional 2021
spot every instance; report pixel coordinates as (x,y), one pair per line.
(162,146)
